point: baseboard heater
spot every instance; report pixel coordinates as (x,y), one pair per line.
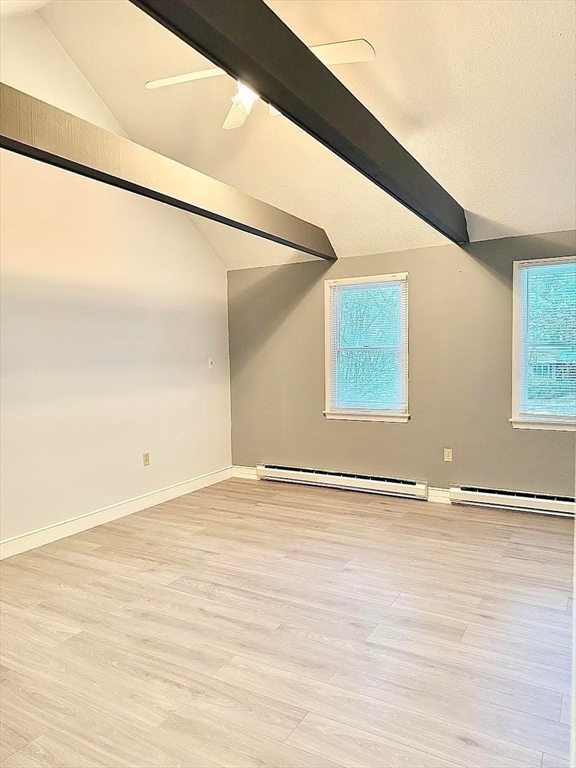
(347,480)
(520,500)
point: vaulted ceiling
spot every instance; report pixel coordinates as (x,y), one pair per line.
(480,92)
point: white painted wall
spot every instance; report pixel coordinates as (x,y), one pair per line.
(111,307)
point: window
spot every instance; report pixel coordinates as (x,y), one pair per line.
(544,376)
(367,348)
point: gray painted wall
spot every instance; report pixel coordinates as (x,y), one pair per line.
(460,317)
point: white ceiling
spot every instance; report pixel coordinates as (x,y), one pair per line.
(481,92)
(16,7)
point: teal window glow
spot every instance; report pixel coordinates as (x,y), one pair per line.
(546,341)
(368,346)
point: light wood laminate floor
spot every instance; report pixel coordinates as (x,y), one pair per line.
(260,625)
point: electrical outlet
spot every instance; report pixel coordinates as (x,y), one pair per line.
(146,459)
(447,454)
(210,363)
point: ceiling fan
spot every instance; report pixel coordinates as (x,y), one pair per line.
(330,54)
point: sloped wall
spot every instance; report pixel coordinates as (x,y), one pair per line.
(112,306)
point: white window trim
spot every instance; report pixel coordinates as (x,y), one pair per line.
(393,418)
(552,426)
(518,420)
(357,415)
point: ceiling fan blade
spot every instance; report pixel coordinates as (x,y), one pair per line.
(235,118)
(344,52)
(185,78)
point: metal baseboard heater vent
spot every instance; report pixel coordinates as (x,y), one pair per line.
(386,486)
(520,500)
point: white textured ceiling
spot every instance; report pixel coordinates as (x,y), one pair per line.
(481,92)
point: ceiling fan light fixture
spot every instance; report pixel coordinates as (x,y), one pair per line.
(342,52)
(245,98)
(242,103)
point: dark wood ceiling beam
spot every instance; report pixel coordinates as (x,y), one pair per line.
(33,128)
(248,40)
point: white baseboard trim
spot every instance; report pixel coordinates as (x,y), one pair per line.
(435,495)
(56,531)
(439,495)
(246,473)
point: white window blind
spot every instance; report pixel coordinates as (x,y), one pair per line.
(367,348)
(545,343)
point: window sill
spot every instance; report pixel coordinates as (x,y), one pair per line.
(351,416)
(557,426)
